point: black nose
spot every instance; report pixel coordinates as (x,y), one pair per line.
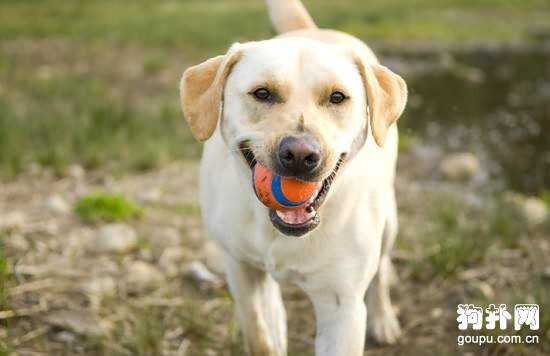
(299,155)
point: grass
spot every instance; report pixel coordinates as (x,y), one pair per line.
(3,283)
(107,207)
(458,235)
(4,301)
(95,83)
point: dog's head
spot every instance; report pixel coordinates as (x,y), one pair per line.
(298,106)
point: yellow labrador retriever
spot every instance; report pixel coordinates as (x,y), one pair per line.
(316,105)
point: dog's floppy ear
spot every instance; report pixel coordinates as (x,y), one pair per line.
(386,97)
(201,92)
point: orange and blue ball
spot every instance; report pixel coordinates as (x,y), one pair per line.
(282,193)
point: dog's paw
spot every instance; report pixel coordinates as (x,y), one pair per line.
(385,329)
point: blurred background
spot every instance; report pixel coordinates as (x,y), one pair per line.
(102,251)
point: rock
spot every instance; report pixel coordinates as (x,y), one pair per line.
(65,337)
(459,166)
(199,273)
(483,289)
(142,276)
(149,196)
(436,313)
(56,204)
(99,288)
(17,242)
(535,211)
(77,322)
(532,209)
(13,220)
(117,238)
(170,261)
(163,238)
(76,171)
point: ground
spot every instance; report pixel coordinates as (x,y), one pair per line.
(91,135)
(69,296)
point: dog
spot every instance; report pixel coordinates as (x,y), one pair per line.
(315,105)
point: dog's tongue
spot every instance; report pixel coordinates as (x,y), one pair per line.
(295,217)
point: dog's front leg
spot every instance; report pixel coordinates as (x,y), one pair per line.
(341,323)
(259,308)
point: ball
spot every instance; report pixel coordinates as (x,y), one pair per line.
(282,193)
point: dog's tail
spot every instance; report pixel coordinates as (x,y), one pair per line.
(289,15)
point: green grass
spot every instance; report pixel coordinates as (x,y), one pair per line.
(3,283)
(457,235)
(95,83)
(4,298)
(107,207)
(545,196)
(203,27)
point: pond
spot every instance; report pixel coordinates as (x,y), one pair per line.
(494,102)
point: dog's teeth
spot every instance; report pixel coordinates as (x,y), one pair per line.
(280,214)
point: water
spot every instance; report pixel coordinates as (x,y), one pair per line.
(493,102)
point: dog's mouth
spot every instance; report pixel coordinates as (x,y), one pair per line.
(297,222)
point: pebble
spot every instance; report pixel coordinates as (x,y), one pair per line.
(56,204)
(436,313)
(98,288)
(18,242)
(76,171)
(459,166)
(149,196)
(142,275)
(533,210)
(66,337)
(13,220)
(484,289)
(116,238)
(170,261)
(77,322)
(164,238)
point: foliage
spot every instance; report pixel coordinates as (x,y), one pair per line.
(107,207)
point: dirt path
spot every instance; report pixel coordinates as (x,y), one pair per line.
(66,295)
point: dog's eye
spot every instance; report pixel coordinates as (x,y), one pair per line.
(337,97)
(262,94)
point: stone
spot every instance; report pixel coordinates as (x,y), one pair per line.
(98,288)
(56,204)
(17,242)
(163,238)
(76,171)
(116,238)
(142,276)
(483,289)
(436,313)
(149,196)
(65,337)
(79,323)
(459,166)
(532,209)
(13,220)
(170,261)
(535,211)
